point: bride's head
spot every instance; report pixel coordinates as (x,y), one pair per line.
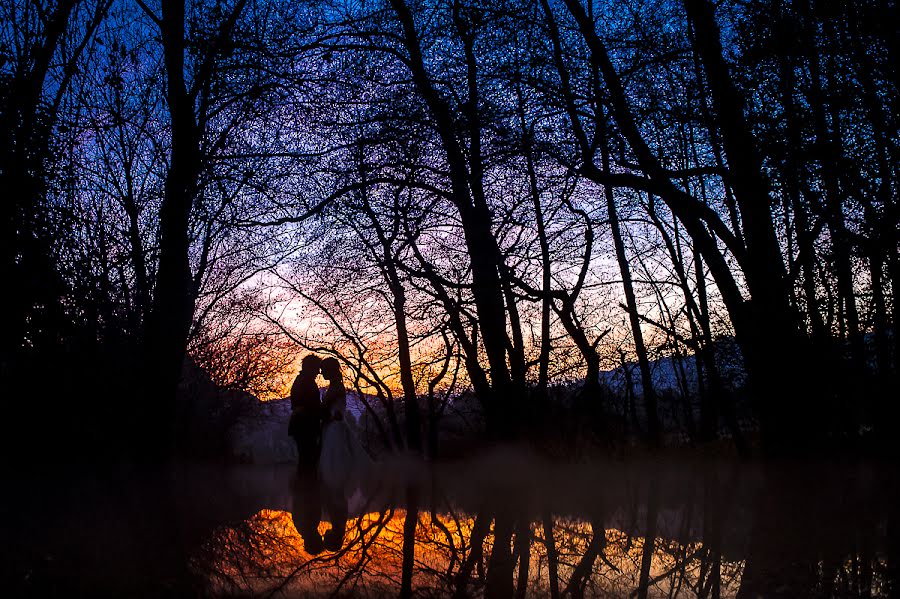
(331,369)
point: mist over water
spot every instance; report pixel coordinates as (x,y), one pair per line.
(505,524)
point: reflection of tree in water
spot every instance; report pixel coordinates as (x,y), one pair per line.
(593,561)
(705,546)
(265,554)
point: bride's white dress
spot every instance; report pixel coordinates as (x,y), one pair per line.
(343,463)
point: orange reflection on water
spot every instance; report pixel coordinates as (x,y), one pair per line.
(265,555)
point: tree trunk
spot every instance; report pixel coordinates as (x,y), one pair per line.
(173,302)
(649,395)
(770,335)
(552,554)
(475,217)
(409,543)
(499,583)
(546,284)
(796,191)
(522,550)
(591,390)
(546,273)
(413,416)
(412,412)
(649,536)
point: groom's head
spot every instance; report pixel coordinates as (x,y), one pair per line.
(310,364)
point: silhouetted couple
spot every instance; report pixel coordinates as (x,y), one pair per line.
(325,441)
(331,463)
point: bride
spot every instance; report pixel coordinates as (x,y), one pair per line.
(343,461)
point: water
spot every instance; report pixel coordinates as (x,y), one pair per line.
(508,524)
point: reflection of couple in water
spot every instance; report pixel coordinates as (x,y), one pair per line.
(332,463)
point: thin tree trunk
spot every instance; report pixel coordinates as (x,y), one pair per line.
(552,554)
(649,537)
(649,394)
(806,254)
(546,273)
(591,391)
(412,413)
(518,369)
(480,529)
(581,573)
(522,549)
(388,263)
(409,543)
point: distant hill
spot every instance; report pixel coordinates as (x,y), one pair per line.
(676,384)
(673,374)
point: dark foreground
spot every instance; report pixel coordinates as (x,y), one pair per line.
(506,525)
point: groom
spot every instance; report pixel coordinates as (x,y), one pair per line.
(306,413)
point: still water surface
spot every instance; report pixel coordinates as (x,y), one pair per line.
(508,524)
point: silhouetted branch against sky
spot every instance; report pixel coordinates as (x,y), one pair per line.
(552,185)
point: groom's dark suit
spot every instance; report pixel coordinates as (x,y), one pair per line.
(306,419)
